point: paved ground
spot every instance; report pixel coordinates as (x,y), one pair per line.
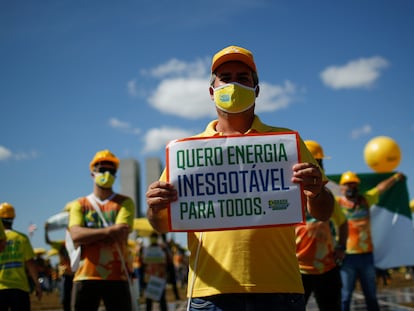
(393,299)
(397,295)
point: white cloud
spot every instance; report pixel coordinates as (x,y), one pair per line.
(4,153)
(185,97)
(275,97)
(132,88)
(25,155)
(177,68)
(364,130)
(358,73)
(157,138)
(123,126)
(183,91)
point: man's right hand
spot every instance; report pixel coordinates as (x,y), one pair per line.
(160,194)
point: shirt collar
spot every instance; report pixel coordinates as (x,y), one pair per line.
(256,127)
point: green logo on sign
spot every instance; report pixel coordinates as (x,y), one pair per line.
(278,204)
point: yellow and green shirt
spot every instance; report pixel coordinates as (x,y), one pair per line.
(359,227)
(260,260)
(100,260)
(13,259)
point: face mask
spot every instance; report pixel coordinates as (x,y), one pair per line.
(234,97)
(104,180)
(351,193)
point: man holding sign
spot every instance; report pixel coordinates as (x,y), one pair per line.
(240,267)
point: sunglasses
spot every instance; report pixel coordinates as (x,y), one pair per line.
(103,169)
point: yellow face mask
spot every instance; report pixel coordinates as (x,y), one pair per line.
(104,180)
(234,97)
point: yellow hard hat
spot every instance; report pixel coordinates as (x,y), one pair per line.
(233,53)
(104,155)
(7,211)
(349,177)
(315,149)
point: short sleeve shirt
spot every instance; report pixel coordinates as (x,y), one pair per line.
(13,261)
(247,260)
(359,228)
(315,241)
(101,260)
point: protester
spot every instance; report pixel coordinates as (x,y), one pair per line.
(101,274)
(154,259)
(320,247)
(359,260)
(180,263)
(65,273)
(43,269)
(255,268)
(171,272)
(17,266)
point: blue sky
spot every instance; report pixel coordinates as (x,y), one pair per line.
(81,76)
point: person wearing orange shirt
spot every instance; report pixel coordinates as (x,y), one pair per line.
(320,248)
(102,234)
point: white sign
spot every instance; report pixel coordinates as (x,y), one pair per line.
(229,182)
(155,288)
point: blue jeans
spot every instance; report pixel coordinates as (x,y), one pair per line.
(249,302)
(359,266)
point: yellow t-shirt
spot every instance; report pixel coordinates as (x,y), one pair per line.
(12,261)
(261,260)
(100,260)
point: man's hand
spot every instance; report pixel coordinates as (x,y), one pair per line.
(310,176)
(160,194)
